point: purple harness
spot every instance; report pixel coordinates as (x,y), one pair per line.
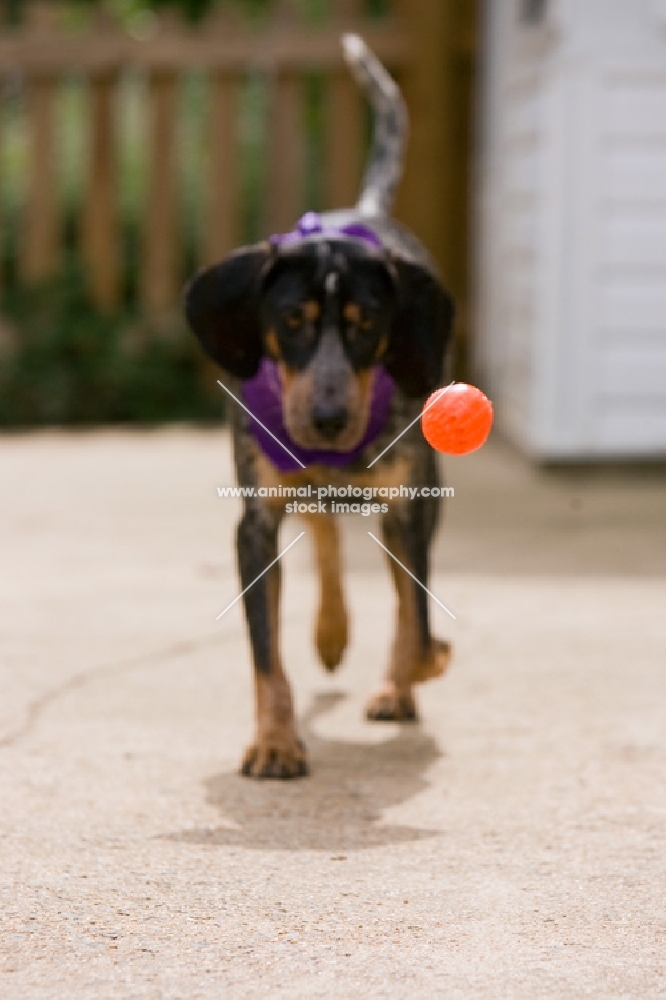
(310,224)
(263,397)
(262,394)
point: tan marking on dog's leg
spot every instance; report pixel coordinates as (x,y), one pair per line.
(277,752)
(409,664)
(395,701)
(434,663)
(332,628)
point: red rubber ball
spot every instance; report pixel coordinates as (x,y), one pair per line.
(457,420)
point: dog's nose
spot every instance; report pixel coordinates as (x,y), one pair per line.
(329,420)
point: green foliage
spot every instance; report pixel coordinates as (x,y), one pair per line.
(192,9)
(70,364)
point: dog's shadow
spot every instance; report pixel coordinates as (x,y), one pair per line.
(339,808)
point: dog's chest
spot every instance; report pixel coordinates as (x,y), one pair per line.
(308,481)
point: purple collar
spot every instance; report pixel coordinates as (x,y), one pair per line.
(310,224)
(263,396)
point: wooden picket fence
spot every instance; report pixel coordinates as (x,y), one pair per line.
(41,54)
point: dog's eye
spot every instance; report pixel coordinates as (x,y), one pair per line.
(359,319)
(293,319)
(364,324)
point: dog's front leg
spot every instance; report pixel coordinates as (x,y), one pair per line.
(407,529)
(276,751)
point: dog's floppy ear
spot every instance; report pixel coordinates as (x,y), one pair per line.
(420,331)
(222,308)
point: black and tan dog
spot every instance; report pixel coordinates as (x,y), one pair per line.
(333,335)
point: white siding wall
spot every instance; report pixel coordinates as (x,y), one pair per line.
(630,328)
(572,227)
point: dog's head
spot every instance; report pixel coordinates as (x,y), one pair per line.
(327,311)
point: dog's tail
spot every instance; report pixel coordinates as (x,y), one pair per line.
(390,127)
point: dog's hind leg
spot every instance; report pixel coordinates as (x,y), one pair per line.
(277,751)
(332,628)
(415,656)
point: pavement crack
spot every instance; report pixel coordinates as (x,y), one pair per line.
(38,706)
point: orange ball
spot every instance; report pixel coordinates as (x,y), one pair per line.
(457,420)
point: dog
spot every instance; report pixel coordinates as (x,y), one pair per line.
(332,336)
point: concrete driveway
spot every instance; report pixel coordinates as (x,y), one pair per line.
(510,846)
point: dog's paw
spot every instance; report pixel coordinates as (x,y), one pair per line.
(275,759)
(435,664)
(391,705)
